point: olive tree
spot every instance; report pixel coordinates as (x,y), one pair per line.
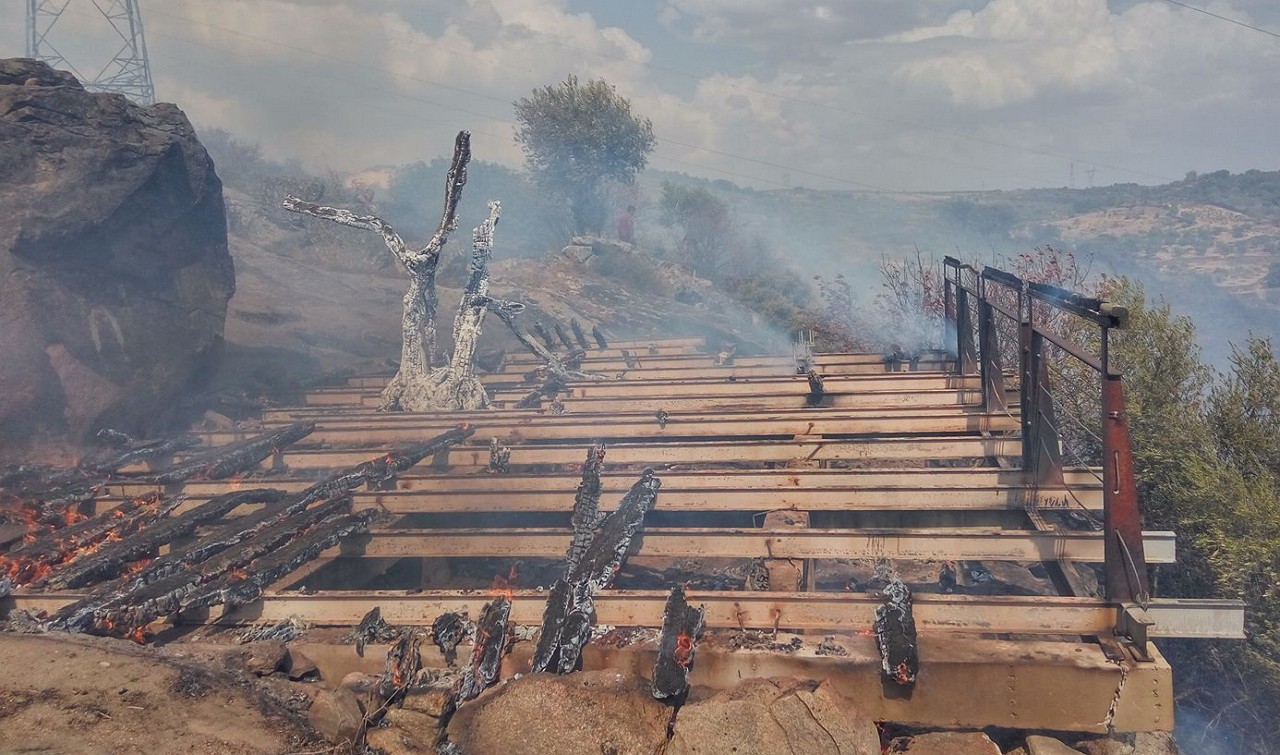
(575,137)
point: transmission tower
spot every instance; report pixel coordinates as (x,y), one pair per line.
(128,72)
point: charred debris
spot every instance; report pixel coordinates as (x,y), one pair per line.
(231,563)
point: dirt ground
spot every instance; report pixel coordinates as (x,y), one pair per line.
(65,694)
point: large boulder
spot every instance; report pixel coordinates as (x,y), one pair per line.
(586,713)
(114,269)
(774,717)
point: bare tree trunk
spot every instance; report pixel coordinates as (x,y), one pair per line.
(455,385)
(418,325)
(420,384)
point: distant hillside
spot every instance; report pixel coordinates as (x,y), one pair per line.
(1222,229)
(1209,243)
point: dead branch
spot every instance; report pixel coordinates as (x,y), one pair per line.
(418,324)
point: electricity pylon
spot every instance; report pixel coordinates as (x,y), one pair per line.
(128,72)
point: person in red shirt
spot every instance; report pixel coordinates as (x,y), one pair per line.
(627,225)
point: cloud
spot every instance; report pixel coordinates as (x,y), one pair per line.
(1013,51)
(899,94)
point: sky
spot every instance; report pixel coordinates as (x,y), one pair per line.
(882,95)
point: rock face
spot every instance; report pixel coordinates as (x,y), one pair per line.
(114,270)
(947,743)
(586,713)
(774,717)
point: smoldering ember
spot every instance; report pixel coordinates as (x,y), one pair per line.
(652,491)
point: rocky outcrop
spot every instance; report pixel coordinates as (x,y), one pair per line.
(783,716)
(947,743)
(585,713)
(114,270)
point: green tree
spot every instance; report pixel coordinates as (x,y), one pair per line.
(1201,453)
(577,136)
(705,224)
(1244,409)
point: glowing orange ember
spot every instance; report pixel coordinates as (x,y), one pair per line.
(684,649)
(503,587)
(902,673)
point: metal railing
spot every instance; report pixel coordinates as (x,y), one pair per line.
(973,300)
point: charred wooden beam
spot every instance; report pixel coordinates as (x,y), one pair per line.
(566,620)
(554,615)
(493,641)
(895,629)
(285,630)
(499,457)
(377,472)
(541,331)
(563,336)
(599,337)
(816,389)
(32,560)
(133,451)
(531,401)
(226,461)
(575,632)
(403,663)
(191,564)
(607,551)
(681,626)
(447,631)
(578,334)
(114,558)
(507,311)
(232,588)
(371,629)
(42,496)
(586,506)
(167,581)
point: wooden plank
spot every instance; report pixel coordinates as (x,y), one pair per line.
(769,499)
(517,500)
(725,372)
(790,400)
(574,427)
(693,387)
(1081,480)
(922,545)
(692,452)
(788,364)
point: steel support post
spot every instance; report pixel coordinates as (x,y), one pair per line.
(965,357)
(1041,450)
(993,391)
(1126,568)
(949,314)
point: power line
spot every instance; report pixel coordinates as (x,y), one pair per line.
(1237,22)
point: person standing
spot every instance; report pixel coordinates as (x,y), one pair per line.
(627,224)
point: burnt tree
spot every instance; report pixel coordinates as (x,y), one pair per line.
(428,380)
(414,386)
